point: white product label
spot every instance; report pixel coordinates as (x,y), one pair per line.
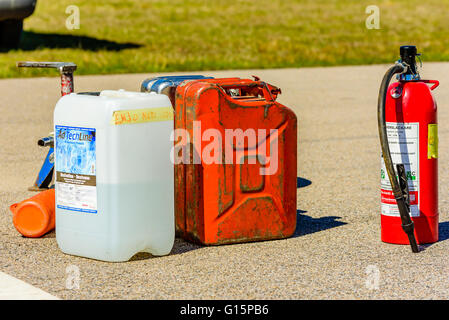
(403,139)
(76,183)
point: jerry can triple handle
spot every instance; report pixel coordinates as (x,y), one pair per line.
(269,92)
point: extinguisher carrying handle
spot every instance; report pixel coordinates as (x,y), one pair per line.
(436,83)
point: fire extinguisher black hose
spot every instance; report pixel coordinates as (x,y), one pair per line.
(407,223)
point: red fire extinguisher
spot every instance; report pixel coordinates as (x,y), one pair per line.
(407,119)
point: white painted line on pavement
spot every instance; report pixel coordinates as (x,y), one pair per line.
(14,289)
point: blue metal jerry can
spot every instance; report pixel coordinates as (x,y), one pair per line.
(167,84)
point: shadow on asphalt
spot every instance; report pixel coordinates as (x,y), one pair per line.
(443,231)
(443,234)
(51,234)
(307,225)
(301,182)
(34,40)
(180,246)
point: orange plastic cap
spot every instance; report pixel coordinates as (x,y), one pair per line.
(35,216)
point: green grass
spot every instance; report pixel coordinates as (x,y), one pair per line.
(127,36)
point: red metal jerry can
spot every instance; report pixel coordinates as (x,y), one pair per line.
(235,162)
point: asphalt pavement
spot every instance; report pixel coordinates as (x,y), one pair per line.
(336,252)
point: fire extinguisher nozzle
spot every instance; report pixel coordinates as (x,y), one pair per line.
(409,230)
(413,244)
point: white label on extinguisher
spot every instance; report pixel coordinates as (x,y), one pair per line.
(403,139)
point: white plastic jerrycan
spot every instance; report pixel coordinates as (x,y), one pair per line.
(114,177)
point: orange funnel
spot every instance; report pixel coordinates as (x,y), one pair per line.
(35,216)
